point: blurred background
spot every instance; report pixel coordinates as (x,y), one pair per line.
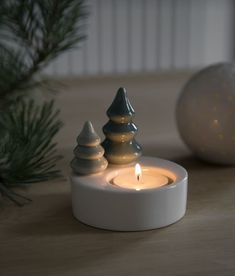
(135,36)
(150,47)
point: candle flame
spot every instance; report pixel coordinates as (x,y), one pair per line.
(138,171)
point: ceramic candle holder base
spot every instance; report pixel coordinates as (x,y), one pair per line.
(99,203)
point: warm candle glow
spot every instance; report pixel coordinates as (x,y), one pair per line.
(140,178)
(138,171)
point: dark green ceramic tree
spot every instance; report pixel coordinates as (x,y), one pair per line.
(120,146)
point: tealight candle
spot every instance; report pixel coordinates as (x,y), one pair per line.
(117,199)
(124,198)
(140,179)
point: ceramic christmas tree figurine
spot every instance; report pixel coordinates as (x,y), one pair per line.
(88,153)
(120,145)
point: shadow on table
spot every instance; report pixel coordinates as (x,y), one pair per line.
(55,238)
(51,227)
(207,182)
(51,215)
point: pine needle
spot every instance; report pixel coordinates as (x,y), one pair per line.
(27,151)
(32,34)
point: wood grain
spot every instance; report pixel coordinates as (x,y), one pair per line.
(43,238)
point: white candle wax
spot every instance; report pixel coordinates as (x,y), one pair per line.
(139,179)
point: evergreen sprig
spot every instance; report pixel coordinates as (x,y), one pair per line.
(27,153)
(33,33)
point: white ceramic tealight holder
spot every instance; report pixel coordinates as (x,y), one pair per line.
(97,199)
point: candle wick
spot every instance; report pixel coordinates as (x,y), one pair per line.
(138,177)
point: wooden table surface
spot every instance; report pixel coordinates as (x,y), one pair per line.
(43,238)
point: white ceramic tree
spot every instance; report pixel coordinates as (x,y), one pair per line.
(89,154)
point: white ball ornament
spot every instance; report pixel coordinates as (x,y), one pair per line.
(205,113)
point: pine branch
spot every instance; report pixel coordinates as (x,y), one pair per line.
(27,151)
(33,33)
